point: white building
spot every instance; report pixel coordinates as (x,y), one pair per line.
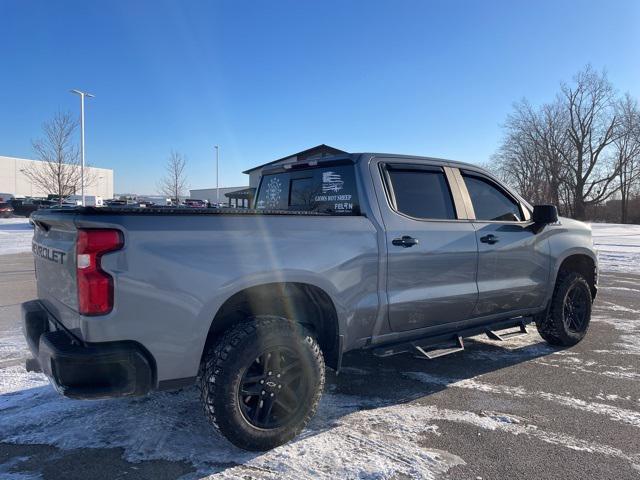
(14,181)
(211,195)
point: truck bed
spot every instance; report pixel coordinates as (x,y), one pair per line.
(182,211)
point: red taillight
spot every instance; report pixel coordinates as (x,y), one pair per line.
(95,286)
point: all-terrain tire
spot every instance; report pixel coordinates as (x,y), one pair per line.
(553,327)
(224,370)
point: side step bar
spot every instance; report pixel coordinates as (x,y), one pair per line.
(506,336)
(435,346)
(439,352)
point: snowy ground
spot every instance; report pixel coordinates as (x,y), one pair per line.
(618,247)
(517,409)
(15,235)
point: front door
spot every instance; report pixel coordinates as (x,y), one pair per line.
(431,255)
(513,260)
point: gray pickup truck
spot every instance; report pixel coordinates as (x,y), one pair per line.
(392,253)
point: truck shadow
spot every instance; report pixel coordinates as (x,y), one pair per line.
(405,378)
(170,425)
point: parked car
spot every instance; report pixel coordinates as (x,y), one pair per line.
(89,200)
(25,207)
(123,203)
(194,203)
(389,253)
(115,203)
(6,210)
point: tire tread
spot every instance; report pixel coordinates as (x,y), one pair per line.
(550,325)
(214,366)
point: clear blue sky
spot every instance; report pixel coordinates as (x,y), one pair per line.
(267,78)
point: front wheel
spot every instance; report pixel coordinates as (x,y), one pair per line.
(568,318)
(261,383)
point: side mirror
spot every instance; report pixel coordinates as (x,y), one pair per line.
(545,214)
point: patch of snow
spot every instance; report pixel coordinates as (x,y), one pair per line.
(627,289)
(502,417)
(628,326)
(630,417)
(617,308)
(618,372)
(349,437)
(15,235)
(618,247)
(12,346)
(612,397)
(432,413)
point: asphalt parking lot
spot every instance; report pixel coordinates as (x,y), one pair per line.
(516,409)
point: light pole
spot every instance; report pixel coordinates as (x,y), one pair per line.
(217,183)
(82,95)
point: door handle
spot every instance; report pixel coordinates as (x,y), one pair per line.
(490,239)
(406,241)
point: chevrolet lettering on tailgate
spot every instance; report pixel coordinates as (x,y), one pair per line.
(48,253)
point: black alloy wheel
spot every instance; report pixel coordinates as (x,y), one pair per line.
(261,381)
(271,388)
(575,309)
(567,320)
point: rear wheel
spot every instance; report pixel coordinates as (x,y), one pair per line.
(568,318)
(261,382)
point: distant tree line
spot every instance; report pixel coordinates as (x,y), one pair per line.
(580,152)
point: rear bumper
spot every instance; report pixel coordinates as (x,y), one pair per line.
(79,369)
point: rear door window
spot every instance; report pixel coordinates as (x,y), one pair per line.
(421,192)
(330,189)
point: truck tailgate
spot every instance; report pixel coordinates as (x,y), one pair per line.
(53,247)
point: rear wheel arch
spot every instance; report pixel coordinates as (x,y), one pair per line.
(304,303)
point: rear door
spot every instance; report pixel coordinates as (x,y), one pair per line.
(513,261)
(431,247)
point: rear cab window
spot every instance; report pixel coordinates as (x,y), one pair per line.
(329,189)
(420,192)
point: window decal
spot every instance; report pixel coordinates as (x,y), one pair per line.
(331,182)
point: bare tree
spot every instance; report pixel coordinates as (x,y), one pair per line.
(59,171)
(174,183)
(593,125)
(627,152)
(564,152)
(530,157)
